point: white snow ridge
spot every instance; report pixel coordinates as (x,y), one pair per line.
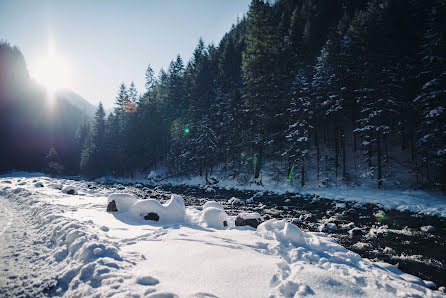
(54,243)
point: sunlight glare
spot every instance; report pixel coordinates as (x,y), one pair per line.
(53,71)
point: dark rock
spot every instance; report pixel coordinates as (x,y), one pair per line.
(71,191)
(252,222)
(355,232)
(225,223)
(112,207)
(211,180)
(152,216)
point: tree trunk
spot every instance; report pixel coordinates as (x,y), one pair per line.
(258,165)
(336,154)
(318,157)
(378,143)
(344,166)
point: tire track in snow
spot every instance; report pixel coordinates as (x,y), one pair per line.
(5,216)
(24,273)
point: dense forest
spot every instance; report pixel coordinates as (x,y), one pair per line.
(325,93)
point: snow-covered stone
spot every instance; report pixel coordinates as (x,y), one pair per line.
(428,229)
(340,206)
(252,219)
(328,227)
(282,231)
(212,204)
(213,217)
(38,184)
(123,201)
(173,211)
(235,201)
(70,190)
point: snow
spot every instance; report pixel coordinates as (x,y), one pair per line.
(235,201)
(124,201)
(212,204)
(68,190)
(403,200)
(251,215)
(75,248)
(171,212)
(214,218)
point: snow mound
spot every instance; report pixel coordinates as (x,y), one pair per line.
(212,204)
(214,217)
(69,190)
(171,212)
(282,231)
(58,186)
(123,201)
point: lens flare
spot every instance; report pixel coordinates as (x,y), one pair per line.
(288,179)
(186,130)
(380,216)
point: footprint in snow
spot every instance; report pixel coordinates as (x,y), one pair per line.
(147,281)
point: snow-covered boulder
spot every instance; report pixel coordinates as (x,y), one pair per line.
(235,201)
(328,227)
(213,217)
(123,201)
(252,219)
(428,229)
(212,204)
(38,184)
(282,231)
(58,186)
(171,212)
(340,206)
(70,190)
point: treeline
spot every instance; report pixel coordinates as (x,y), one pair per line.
(325,92)
(37,130)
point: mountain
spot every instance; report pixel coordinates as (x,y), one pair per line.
(31,128)
(76,100)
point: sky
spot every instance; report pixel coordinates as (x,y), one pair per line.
(102,43)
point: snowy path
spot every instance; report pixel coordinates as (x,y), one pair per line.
(23,256)
(67,245)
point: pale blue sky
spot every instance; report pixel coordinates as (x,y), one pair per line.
(108,42)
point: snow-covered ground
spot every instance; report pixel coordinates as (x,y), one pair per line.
(56,243)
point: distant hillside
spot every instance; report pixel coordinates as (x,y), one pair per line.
(31,124)
(77,101)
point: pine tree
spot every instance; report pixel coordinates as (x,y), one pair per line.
(54,163)
(260,82)
(92,157)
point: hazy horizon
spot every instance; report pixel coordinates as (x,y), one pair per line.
(98,45)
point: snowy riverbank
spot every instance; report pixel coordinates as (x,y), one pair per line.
(55,243)
(417,201)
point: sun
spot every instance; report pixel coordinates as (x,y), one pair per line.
(53,71)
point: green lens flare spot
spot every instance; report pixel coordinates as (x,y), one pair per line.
(186,130)
(380,216)
(288,179)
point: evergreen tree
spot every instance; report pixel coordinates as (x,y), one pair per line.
(92,157)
